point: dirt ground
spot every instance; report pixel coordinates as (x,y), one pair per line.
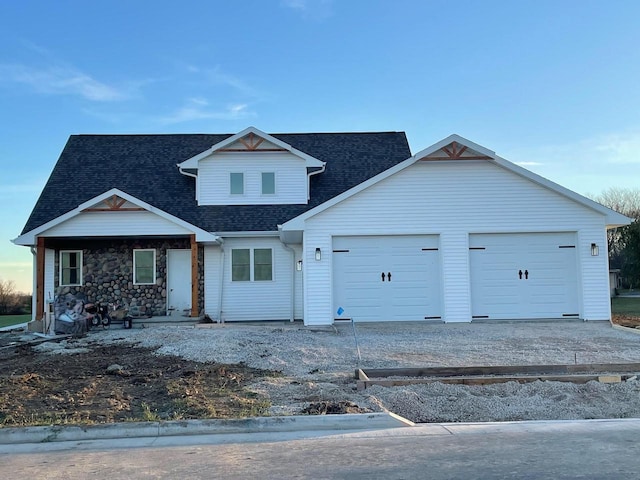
(630,321)
(152,374)
(101,384)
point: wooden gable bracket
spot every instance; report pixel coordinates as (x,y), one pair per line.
(251,143)
(114,203)
(454,151)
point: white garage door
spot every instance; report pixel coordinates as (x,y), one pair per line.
(382,278)
(524,276)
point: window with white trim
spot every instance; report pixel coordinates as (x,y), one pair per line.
(240,265)
(251,264)
(144,266)
(268,183)
(70,268)
(262,264)
(236,183)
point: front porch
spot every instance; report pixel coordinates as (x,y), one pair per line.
(151,276)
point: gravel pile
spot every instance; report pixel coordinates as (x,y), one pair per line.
(318,365)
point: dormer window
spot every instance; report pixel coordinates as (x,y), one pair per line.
(268,183)
(236,183)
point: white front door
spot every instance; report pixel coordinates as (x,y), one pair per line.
(523,276)
(381,278)
(178,281)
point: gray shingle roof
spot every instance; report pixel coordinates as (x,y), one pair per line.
(145,166)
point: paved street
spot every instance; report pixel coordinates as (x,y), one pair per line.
(607,449)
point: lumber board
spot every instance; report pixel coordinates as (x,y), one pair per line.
(488,380)
(560,369)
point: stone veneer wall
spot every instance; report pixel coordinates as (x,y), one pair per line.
(107,273)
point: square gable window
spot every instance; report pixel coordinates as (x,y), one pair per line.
(268,183)
(236,183)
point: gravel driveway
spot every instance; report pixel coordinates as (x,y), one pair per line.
(318,365)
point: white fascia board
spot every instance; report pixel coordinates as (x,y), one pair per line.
(252,234)
(308,159)
(193,161)
(613,218)
(29,238)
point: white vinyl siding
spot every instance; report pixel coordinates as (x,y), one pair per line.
(107,224)
(144,266)
(289,176)
(454,200)
(257,300)
(49,275)
(70,268)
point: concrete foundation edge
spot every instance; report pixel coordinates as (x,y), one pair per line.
(371,421)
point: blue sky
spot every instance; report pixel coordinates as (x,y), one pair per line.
(552,85)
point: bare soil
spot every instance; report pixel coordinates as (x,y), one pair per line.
(236,370)
(631,321)
(101,384)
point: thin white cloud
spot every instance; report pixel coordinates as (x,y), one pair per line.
(216,77)
(591,164)
(619,148)
(296,4)
(529,164)
(199,109)
(61,80)
(310,9)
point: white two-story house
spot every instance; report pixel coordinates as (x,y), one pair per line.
(315,227)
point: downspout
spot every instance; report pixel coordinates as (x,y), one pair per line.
(324,166)
(221,283)
(194,176)
(293,282)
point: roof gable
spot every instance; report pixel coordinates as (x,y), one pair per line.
(144,167)
(457,148)
(251,140)
(113,200)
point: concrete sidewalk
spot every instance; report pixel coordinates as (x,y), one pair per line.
(55,433)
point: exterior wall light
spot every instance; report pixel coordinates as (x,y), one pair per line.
(595,251)
(299,265)
(318,254)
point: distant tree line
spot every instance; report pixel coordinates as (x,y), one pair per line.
(624,242)
(13,302)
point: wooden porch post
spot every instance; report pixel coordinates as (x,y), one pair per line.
(194,277)
(39,313)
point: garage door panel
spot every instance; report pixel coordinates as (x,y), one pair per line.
(412,293)
(548,287)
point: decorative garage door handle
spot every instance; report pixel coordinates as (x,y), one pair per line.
(526,274)
(520,274)
(389,276)
(383,276)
